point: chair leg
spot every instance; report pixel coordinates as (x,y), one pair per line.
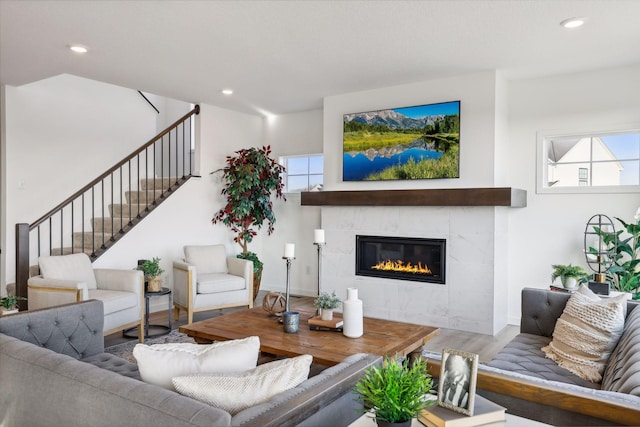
(176,313)
(141,332)
(189,315)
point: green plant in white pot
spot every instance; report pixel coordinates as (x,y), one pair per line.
(9,304)
(395,393)
(570,275)
(326,303)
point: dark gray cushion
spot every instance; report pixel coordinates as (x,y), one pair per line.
(524,356)
(71,329)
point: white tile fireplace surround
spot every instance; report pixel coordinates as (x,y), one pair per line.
(474,256)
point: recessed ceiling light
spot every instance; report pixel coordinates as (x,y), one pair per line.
(573,22)
(78,48)
(226,91)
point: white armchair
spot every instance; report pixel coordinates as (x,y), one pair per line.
(208,279)
(72,278)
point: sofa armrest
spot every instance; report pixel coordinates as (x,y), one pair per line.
(240,267)
(120,280)
(71,329)
(314,397)
(592,405)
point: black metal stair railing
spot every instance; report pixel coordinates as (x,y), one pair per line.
(95,217)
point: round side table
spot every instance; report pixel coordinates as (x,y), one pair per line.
(162,329)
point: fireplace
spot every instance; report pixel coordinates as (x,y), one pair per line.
(401,258)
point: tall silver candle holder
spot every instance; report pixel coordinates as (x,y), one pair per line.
(320,245)
(288,290)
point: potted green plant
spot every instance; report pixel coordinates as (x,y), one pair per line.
(395,392)
(326,303)
(250,178)
(152,274)
(624,273)
(569,275)
(9,304)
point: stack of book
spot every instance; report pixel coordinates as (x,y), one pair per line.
(485,413)
(317,324)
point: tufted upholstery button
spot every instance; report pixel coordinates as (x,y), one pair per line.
(56,323)
(82,317)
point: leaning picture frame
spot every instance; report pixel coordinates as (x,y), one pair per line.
(457,384)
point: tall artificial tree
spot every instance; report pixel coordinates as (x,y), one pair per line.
(251,177)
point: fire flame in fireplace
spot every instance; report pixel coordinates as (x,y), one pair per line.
(401,267)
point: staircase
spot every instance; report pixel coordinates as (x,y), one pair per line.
(95,217)
(104,231)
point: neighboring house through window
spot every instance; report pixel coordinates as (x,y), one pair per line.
(597,162)
(303,173)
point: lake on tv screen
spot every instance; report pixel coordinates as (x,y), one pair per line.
(359,167)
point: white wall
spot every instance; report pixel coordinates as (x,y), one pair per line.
(185,218)
(477,127)
(288,135)
(61,133)
(550,230)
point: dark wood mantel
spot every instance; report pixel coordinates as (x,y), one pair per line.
(501,196)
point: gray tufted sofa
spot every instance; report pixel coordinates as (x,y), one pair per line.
(53,371)
(528,384)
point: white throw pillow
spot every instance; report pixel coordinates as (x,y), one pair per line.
(68,267)
(207,259)
(160,362)
(586,333)
(237,392)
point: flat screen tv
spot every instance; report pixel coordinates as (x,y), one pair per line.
(419,142)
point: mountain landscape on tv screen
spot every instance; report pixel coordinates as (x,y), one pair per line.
(421,142)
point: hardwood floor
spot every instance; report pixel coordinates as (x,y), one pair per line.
(486,346)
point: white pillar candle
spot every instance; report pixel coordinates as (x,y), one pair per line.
(318,236)
(289,250)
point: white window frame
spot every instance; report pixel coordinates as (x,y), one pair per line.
(542,167)
(282,161)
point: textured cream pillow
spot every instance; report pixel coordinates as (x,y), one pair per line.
(586,333)
(207,259)
(233,393)
(160,362)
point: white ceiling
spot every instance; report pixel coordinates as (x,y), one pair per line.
(285,56)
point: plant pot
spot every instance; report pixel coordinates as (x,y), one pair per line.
(382,423)
(570,283)
(154,284)
(257,278)
(327,314)
(4,311)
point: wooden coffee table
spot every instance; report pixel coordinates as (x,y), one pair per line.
(328,348)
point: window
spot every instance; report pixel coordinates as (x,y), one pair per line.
(303,173)
(583,177)
(596,162)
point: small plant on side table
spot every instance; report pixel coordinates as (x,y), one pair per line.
(10,303)
(152,273)
(395,392)
(327,302)
(568,272)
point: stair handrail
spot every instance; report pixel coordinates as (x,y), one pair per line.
(194,111)
(23,230)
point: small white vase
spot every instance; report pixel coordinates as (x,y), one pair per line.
(327,314)
(352,315)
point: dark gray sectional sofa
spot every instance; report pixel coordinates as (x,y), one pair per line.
(54,372)
(528,384)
